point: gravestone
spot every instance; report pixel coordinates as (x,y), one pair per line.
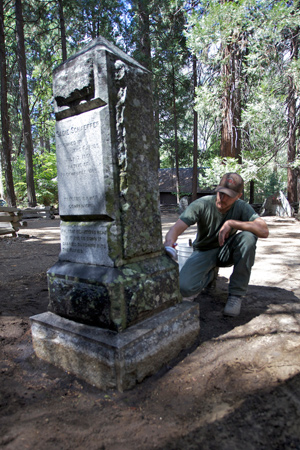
(277,205)
(115,310)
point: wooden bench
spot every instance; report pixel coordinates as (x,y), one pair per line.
(46,212)
(10,220)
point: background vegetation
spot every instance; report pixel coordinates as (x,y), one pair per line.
(225,84)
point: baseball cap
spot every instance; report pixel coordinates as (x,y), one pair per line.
(231,184)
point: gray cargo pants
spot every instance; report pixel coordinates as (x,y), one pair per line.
(198,271)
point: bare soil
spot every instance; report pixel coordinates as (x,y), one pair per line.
(237,388)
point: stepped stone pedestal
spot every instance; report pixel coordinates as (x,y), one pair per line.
(115,311)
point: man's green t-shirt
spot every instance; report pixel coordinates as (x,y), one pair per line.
(209,220)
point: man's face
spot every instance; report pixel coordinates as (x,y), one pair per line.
(224,202)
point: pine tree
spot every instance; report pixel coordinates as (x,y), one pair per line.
(28,145)
(6,142)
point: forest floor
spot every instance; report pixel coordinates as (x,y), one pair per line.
(237,388)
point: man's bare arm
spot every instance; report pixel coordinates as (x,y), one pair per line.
(176,230)
(257,227)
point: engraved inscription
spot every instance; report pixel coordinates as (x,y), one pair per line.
(84,243)
(80,165)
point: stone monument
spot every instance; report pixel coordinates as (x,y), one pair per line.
(277,205)
(115,310)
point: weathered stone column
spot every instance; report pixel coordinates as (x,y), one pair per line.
(113,285)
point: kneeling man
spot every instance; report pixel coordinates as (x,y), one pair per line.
(227,232)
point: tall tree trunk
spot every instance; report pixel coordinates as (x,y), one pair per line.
(1,181)
(251,196)
(6,142)
(47,144)
(231,103)
(144,41)
(226,129)
(292,125)
(298,187)
(28,145)
(156,122)
(62,30)
(237,106)
(176,138)
(195,132)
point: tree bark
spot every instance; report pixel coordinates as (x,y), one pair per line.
(6,142)
(251,196)
(195,127)
(28,145)
(231,103)
(62,30)
(195,132)
(292,125)
(176,139)
(156,123)
(144,41)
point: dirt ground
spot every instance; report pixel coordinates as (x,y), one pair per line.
(237,388)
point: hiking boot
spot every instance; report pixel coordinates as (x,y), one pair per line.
(233,306)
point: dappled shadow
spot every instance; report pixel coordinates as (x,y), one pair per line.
(23,279)
(262,302)
(267,419)
(232,390)
(212,322)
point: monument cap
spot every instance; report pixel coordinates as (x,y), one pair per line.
(231,184)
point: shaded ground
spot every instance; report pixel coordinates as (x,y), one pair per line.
(238,388)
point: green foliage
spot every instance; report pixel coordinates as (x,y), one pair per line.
(262,32)
(45,173)
(185,153)
(84,20)
(273,184)
(172,81)
(208,108)
(89,19)
(267,179)
(45,178)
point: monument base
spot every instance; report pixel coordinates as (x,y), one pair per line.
(113,297)
(107,359)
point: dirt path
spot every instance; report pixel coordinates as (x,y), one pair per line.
(238,388)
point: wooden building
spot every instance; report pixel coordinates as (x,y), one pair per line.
(167,185)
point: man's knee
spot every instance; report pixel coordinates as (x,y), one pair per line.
(245,248)
(197,272)
(189,281)
(185,288)
(249,237)
(247,240)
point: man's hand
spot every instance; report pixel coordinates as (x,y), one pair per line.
(257,227)
(224,233)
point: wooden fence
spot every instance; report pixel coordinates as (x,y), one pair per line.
(45,212)
(10,220)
